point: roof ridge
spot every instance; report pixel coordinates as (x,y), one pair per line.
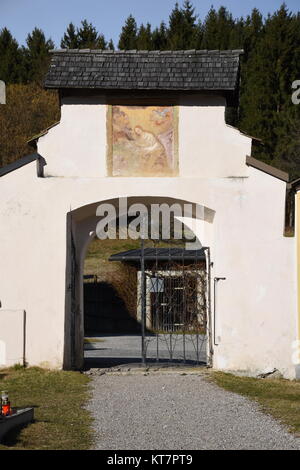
(155,52)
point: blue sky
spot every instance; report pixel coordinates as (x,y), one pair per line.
(53,16)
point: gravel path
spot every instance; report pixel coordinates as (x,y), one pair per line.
(178,412)
(125,349)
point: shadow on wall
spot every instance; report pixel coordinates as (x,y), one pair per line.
(105,312)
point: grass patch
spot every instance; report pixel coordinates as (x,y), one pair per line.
(58,398)
(277,397)
(99,252)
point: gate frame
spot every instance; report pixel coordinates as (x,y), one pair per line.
(208,334)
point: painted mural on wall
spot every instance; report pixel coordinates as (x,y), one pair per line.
(143,141)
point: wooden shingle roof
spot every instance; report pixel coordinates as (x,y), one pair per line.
(144,70)
(161,254)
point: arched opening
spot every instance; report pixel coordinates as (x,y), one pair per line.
(116,287)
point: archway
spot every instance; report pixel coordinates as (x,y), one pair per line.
(81,228)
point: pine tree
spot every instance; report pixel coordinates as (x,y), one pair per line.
(85,37)
(12,66)
(237,35)
(144,38)
(88,37)
(37,55)
(287,150)
(218,29)
(128,36)
(266,97)
(210,30)
(198,41)
(284,32)
(225,27)
(257,103)
(111,46)
(159,38)
(70,38)
(175,30)
(253,30)
(190,26)
(182,32)
(101,43)
(280,40)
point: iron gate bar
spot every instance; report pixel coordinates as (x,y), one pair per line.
(210,340)
(178,312)
(143,306)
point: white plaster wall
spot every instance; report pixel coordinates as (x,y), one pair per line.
(207,146)
(77,146)
(256,305)
(32,253)
(11,337)
(256,310)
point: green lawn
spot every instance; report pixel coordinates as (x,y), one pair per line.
(58,397)
(99,251)
(277,397)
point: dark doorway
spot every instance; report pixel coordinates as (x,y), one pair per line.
(105,312)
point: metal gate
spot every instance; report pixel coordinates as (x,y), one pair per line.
(174,305)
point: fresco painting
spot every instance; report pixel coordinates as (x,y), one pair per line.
(143,141)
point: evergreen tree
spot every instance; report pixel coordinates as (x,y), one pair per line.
(88,37)
(280,40)
(144,38)
(85,37)
(198,39)
(175,30)
(182,32)
(101,43)
(210,30)
(285,32)
(236,37)
(159,38)
(111,46)
(225,26)
(266,96)
(128,36)
(218,29)
(253,30)
(190,25)
(37,55)
(12,67)
(252,34)
(287,149)
(70,38)
(257,103)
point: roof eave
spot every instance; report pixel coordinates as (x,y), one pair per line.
(268,169)
(22,162)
